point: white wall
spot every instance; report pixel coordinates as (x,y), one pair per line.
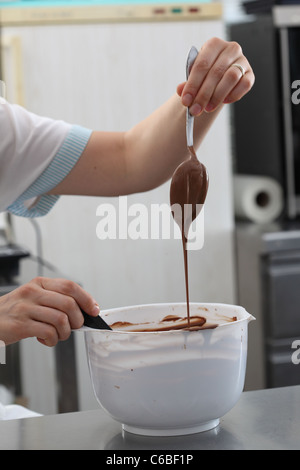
(109,77)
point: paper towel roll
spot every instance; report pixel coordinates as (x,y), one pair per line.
(257,198)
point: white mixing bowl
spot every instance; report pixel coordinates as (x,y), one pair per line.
(170,382)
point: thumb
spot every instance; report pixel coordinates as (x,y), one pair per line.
(180,88)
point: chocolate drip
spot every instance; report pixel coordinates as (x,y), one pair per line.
(188,190)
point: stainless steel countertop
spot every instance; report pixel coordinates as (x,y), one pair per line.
(263,419)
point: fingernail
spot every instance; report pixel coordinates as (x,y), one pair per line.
(195,109)
(96,310)
(187,100)
(210,107)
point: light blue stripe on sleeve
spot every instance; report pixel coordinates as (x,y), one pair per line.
(61,165)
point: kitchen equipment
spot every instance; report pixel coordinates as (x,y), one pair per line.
(192,55)
(95,322)
(189,182)
(257,199)
(274,150)
(171,382)
(68,11)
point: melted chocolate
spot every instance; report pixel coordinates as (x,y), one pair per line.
(189,187)
(168,323)
(188,191)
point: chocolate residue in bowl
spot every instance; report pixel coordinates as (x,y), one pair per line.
(168,323)
(121,324)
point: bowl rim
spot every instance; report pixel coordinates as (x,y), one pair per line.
(104,313)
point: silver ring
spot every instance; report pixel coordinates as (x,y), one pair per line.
(241,68)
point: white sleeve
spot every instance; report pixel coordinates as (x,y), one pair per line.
(36,153)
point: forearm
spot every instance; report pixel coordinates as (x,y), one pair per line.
(157,145)
(118,163)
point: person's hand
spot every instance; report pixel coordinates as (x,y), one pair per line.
(215,77)
(45,308)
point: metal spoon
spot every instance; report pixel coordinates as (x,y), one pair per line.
(189,182)
(95,322)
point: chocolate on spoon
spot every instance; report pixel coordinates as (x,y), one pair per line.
(189,186)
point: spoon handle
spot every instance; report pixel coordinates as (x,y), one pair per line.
(189,129)
(189,118)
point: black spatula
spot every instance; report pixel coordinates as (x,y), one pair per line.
(95,322)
